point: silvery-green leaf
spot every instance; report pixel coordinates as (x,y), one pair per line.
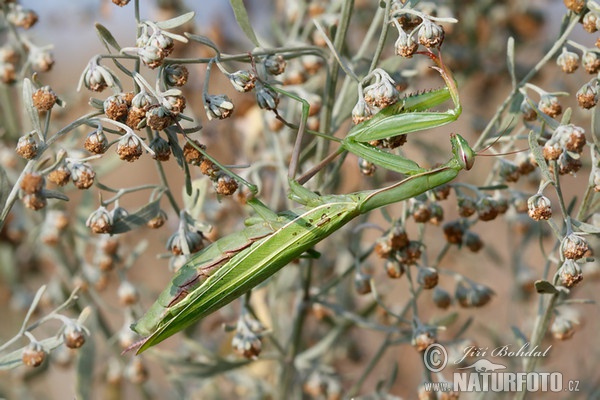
(204,40)
(545,287)
(241,16)
(177,21)
(31,110)
(107,37)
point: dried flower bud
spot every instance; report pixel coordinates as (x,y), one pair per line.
(361,111)
(420,211)
(508,171)
(539,207)
(549,105)
(562,328)
(97,77)
(115,107)
(275,64)
(575,5)
(32,182)
(44,99)
(437,214)
(20,16)
(405,45)
(159,118)
(574,247)
(431,34)
(570,273)
(209,168)
(441,192)
(194,241)
(393,268)
(474,296)
(528,111)
(60,175)
(591,62)
(572,137)
(568,163)
(127,293)
(35,201)
(41,59)
(524,163)
(27,147)
(362,283)
(486,208)
(161,148)
(568,61)
(96,142)
(552,150)
(587,95)
(175,75)
(129,147)
(121,3)
(454,232)
(33,354)
(466,206)
(411,253)
(8,73)
(157,221)
(590,22)
(266,98)
(365,167)
(82,175)
(218,106)
(441,298)
(427,277)
(100,221)
(242,81)
(74,335)
(383,92)
(248,336)
(191,154)
(473,241)
(225,185)
(423,338)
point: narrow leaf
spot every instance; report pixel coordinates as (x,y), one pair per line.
(31,110)
(4,189)
(203,40)
(545,287)
(444,320)
(510,60)
(536,150)
(107,37)
(177,21)
(519,335)
(587,228)
(241,16)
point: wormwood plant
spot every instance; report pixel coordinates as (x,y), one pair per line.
(353,317)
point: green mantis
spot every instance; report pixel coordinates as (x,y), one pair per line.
(236,263)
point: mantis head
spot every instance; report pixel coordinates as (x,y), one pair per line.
(462,151)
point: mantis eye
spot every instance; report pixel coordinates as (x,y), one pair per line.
(463,151)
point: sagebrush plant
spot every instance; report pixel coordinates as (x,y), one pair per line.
(342,320)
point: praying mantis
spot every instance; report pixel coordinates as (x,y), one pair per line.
(236,263)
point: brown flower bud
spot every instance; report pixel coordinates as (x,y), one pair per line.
(32,182)
(33,355)
(44,99)
(539,207)
(574,247)
(226,185)
(427,277)
(74,336)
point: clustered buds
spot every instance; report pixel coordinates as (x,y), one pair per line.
(411,24)
(382,92)
(472,295)
(247,340)
(32,191)
(102,220)
(565,147)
